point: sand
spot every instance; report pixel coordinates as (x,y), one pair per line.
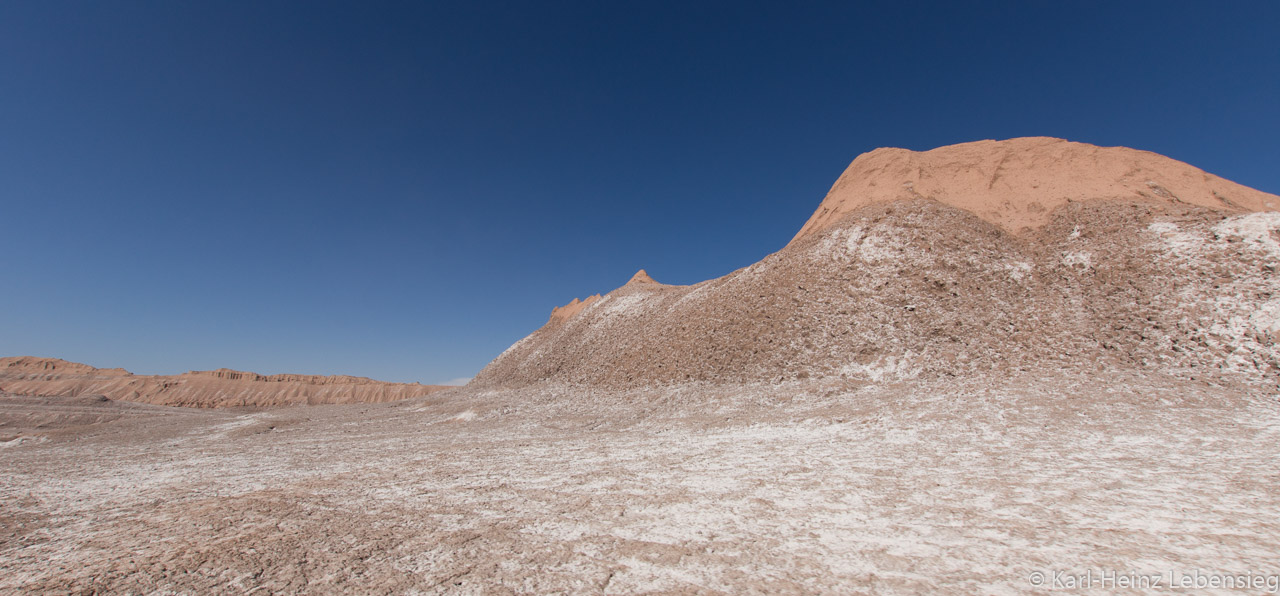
(962,488)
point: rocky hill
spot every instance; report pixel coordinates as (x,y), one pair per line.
(979,258)
(51,377)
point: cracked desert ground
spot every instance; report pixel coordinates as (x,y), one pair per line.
(926,487)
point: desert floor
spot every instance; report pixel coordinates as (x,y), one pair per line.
(957,487)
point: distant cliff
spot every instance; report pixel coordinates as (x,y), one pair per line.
(27,375)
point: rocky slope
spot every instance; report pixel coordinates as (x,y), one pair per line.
(51,377)
(972,259)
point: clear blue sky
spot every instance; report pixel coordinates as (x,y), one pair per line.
(402,190)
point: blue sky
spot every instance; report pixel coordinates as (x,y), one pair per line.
(402,190)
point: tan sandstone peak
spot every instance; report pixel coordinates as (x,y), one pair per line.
(566,312)
(642,277)
(1016,183)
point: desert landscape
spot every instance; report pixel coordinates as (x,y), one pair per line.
(999,367)
(222,388)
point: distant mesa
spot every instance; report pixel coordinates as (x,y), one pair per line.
(52,377)
(974,259)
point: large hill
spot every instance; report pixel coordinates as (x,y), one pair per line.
(982,258)
(51,377)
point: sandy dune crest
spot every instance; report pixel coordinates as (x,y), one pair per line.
(1016,184)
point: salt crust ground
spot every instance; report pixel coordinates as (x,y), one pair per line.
(817,487)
